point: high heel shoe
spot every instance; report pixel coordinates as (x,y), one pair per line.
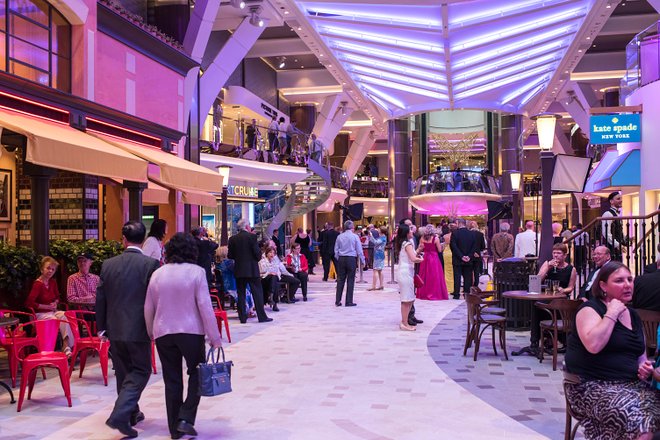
(275,308)
(406,328)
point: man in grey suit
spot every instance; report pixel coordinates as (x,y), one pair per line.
(244,250)
(120,318)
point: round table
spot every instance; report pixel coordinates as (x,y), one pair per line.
(6,322)
(518,305)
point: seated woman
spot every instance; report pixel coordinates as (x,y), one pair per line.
(272,273)
(608,352)
(558,269)
(44,298)
(297,264)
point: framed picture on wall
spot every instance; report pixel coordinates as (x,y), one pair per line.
(5,195)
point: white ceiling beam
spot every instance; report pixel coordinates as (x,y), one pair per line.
(358,150)
(655,4)
(391,25)
(324,118)
(585,93)
(226,61)
(384,44)
(377,57)
(574,107)
(278,47)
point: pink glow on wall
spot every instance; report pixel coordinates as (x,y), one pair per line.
(139,86)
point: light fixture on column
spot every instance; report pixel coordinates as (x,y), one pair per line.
(545,127)
(281,62)
(344,105)
(224,233)
(515,177)
(255,19)
(240,4)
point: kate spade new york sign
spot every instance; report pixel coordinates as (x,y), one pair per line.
(612,129)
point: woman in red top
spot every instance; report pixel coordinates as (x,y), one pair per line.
(296,263)
(44,298)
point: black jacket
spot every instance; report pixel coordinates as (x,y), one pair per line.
(329,238)
(244,250)
(646,293)
(206,252)
(480,240)
(463,243)
(120,296)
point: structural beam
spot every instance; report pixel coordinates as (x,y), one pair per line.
(358,150)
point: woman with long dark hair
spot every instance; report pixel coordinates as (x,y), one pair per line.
(178,313)
(405,273)
(153,245)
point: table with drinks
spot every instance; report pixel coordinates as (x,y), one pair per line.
(519,304)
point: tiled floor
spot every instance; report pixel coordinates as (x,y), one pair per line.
(321,372)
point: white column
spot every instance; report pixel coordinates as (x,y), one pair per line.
(358,150)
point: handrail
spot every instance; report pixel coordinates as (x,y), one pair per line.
(592,222)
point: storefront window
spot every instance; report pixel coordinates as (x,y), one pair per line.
(35,43)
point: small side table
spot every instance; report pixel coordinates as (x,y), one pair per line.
(6,322)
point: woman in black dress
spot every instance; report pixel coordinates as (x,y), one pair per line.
(305,242)
(558,269)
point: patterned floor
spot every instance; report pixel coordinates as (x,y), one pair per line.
(322,372)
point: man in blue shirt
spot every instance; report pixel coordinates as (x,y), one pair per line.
(347,249)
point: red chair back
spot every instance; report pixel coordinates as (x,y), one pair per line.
(76,318)
(47,331)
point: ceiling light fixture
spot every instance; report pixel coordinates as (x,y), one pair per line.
(282,62)
(255,19)
(237,4)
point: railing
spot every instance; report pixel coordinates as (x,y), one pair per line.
(637,238)
(233,139)
(642,61)
(456,181)
(370,187)
(340,178)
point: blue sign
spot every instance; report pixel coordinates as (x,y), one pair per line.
(613,129)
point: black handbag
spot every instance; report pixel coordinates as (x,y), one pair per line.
(214,376)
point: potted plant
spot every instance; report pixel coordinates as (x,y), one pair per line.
(19,266)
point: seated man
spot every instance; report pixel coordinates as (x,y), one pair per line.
(600,256)
(81,286)
(273,273)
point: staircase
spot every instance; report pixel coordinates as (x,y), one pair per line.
(294,200)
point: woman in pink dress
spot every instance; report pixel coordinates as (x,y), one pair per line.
(430,270)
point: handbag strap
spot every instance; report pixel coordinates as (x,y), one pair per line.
(214,359)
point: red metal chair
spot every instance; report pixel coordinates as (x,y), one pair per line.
(88,343)
(15,342)
(47,331)
(220,316)
(153,357)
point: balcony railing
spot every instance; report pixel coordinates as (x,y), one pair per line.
(370,187)
(642,61)
(230,138)
(456,181)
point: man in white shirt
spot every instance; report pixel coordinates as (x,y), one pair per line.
(526,242)
(316,148)
(612,230)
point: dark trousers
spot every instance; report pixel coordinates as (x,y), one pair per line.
(132,363)
(326,259)
(292,284)
(272,141)
(477,268)
(466,272)
(270,287)
(257,295)
(345,275)
(172,349)
(302,277)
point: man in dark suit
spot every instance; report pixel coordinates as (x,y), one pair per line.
(243,249)
(600,256)
(463,247)
(205,251)
(477,262)
(646,293)
(120,299)
(650,268)
(327,248)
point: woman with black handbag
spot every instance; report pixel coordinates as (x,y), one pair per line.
(178,313)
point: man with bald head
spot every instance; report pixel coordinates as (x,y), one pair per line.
(526,242)
(600,256)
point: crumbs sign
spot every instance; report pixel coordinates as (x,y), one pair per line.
(612,129)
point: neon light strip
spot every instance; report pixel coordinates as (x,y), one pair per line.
(503,82)
(35,116)
(400,87)
(128,141)
(384,96)
(394,56)
(516,93)
(540,62)
(499,63)
(123,128)
(397,68)
(513,31)
(500,11)
(387,40)
(397,78)
(531,94)
(370,17)
(502,50)
(38,104)
(380,102)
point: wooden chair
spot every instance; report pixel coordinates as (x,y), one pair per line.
(476,319)
(491,301)
(650,321)
(570,430)
(562,312)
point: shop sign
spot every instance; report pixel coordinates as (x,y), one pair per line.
(243,191)
(612,129)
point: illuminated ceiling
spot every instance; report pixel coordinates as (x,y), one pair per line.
(423,55)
